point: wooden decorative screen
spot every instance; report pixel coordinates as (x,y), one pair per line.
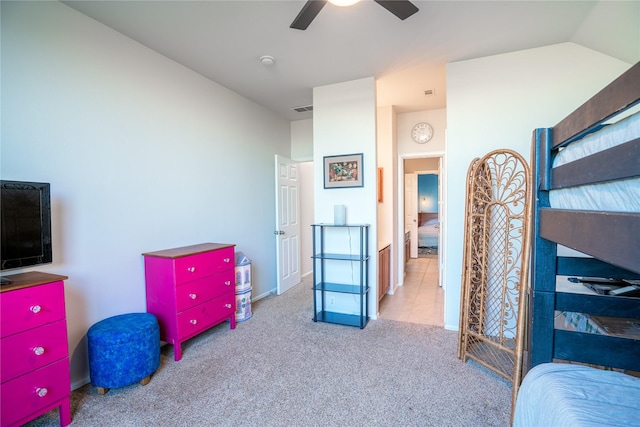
(496,264)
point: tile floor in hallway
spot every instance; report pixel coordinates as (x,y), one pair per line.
(420,299)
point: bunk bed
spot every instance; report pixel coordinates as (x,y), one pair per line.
(587,196)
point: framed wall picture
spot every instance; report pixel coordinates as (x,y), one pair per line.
(343,171)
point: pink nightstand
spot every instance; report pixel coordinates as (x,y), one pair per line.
(34,365)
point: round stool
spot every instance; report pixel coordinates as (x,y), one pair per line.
(123,349)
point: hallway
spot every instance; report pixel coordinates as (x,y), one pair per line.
(420,300)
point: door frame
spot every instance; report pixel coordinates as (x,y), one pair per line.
(414,244)
(442,176)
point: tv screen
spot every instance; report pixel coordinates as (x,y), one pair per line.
(25,224)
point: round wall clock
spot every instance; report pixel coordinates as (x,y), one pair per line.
(422,133)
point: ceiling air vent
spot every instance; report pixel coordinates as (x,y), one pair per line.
(303,109)
(429,92)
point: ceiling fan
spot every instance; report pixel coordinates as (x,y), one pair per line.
(401,8)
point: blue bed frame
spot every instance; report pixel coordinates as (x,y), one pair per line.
(611,238)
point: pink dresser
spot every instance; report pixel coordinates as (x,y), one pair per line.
(190,289)
(34,351)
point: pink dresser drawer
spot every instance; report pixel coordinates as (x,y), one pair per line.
(205,315)
(198,291)
(190,289)
(196,266)
(32,349)
(29,308)
(32,392)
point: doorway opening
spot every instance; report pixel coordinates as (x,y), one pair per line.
(419,296)
(428,235)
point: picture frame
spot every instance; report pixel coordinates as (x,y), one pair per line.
(343,171)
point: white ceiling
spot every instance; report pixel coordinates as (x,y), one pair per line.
(223,41)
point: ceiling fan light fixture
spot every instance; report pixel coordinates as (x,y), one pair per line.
(400,8)
(343,3)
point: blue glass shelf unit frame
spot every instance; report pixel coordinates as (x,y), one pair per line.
(328,255)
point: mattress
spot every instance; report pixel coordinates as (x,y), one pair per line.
(561,394)
(618,196)
(602,325)
(428,233)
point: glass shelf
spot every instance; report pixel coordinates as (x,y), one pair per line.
(335,244)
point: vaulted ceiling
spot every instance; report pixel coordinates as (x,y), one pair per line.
(224,41)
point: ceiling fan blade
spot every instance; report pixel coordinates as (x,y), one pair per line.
(307,14)
(401,8)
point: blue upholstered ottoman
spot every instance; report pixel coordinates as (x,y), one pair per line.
(123,349)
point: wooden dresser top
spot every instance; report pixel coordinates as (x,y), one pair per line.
(188,250)
(32,278)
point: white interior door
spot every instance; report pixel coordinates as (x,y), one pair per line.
(411,211)
(287,224)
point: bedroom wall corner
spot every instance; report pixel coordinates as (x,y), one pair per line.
(497,102)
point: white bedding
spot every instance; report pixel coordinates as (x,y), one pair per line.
(428,233)
(619,196)
(562,394)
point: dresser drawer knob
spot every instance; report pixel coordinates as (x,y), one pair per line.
(193,321)
(38,351)
(227,260)
(191,269)
(227,305)
(228,282)
(36,308)
(41,391)
(193,296)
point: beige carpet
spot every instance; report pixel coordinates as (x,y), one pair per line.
(279,368)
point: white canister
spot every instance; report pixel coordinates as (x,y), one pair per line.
(339,215)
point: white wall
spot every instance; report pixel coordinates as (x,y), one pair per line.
(407,146)
(302,140)
(421,165)
(344,118)
(387,149)
(496,102)
(142,154)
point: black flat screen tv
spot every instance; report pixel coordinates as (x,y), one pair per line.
(25,224)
